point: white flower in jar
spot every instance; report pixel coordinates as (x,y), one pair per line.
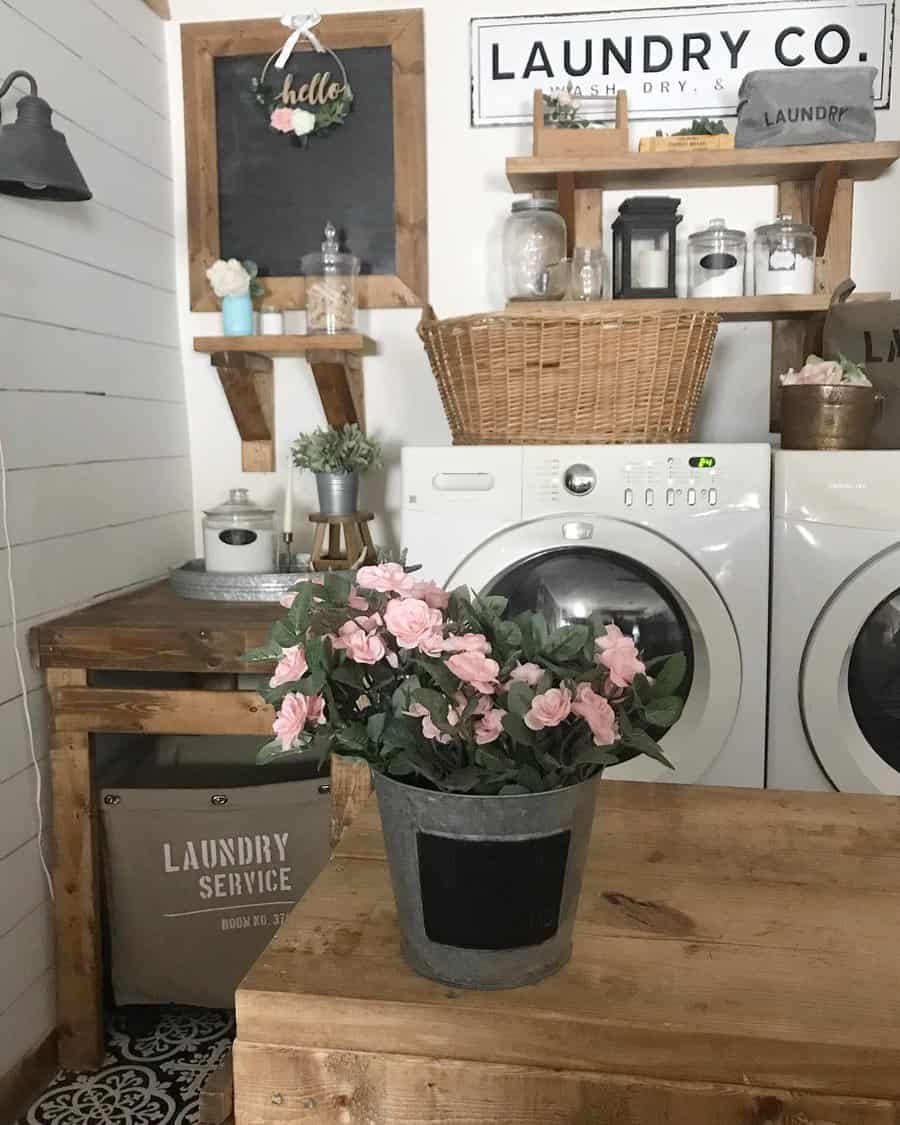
(228,279)
(303,122)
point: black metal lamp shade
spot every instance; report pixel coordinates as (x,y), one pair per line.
(35,161)
(642,220)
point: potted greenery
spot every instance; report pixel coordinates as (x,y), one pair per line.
(486,736)
(337,455)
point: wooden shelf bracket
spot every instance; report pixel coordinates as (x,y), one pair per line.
(339,380)
(248,381)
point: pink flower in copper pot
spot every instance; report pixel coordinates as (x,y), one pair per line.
(597,713)
(467,642)
(619,655)
(410,619)
(490,726)
(290,667)
(282,119)
(549,708)
(476,669)
(432,594)
(388,578)
(315,709)
(291,719)
(526,674)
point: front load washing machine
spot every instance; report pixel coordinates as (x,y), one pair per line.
(670,541)
(834,709)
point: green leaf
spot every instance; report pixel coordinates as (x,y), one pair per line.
(519,698)
(321,746)
(314,651)
(337,586)
(283,634)
(514,791)
(663,712)
(514,725)
(494,603)
(462,781)
(403,733)
(352,739)
(493,760)
(350,674)
(566,642)
(298,614)
(531,779)
(273,751)
(269,651)
(311,684)
(403,697)
(440,674)
(597,756)
(670,677)
(640,741)
(509,633)
(375,726)
(437,706)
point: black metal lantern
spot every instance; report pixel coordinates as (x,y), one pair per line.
(644,247)
(35,161)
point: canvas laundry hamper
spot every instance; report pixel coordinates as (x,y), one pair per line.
(204,855)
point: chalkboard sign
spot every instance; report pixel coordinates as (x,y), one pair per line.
(492,894)
(254,192)
(276,197)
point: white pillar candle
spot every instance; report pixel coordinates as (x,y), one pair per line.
(653,269)
(288,521)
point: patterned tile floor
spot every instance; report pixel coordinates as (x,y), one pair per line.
(156,1063)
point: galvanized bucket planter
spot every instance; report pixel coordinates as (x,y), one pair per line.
(486,887)
(338,493)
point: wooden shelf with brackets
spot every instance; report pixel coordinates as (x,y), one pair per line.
(245,368)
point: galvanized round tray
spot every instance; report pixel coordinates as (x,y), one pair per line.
(192,581)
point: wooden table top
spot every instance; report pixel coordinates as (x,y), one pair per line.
(155,629)
(725,935)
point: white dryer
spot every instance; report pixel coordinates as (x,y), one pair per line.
(834,706)
(670,541)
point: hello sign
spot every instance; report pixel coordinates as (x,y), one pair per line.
(673,62)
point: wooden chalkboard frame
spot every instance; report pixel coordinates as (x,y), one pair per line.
(404,33)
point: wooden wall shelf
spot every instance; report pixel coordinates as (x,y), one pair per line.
(245,368)
(782,307)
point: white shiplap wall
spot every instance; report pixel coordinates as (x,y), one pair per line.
(92,412)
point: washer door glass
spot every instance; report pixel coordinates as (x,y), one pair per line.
(570,584)
(873,680)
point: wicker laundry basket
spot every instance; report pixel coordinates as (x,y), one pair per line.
(518,379)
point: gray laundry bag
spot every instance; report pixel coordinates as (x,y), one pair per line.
(808,106)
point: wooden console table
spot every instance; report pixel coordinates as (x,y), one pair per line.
(149,631)
(735,962)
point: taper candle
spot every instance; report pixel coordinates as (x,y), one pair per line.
(288,520)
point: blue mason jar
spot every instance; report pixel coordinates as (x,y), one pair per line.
(237,316)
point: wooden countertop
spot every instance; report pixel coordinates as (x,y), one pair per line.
(725,936)
(155,629)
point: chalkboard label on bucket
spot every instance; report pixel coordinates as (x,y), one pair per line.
(492,894)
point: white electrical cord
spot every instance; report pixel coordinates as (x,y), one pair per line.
(22,684)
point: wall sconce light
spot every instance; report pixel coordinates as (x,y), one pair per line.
(35,161)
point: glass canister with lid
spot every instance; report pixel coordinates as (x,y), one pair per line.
(331,281)
(716,261)
(239,536)
(535,266)
(784,257)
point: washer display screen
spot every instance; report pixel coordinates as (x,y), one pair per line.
(873,680)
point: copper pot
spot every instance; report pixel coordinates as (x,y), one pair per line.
(827,417)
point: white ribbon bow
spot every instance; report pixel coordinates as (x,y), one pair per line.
(303,26)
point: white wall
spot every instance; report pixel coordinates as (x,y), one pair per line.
(468,200)
(92,413)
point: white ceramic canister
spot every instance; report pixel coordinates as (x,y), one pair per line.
(239,536)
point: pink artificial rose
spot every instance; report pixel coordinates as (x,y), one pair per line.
(282,119)
(360,646)
(288,599)
(410,619)
(549,708)
(825,372)
(431,644)
(355,601)
(290,667)
(476,669)
(619,655)
(430,593)
(484,704)
(467,642)
(370,624)
(526,674)
(291,719)
(490,726)
(597,713)
(315,709)
(388,578)
(420,711)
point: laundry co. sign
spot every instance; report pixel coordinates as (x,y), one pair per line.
(673,62)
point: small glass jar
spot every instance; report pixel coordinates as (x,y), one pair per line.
(716,261)
(534,252)
(271,321)
(239,536)
(587,273)
(784,257)
(331,280)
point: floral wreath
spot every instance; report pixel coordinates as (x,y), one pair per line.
(301,121)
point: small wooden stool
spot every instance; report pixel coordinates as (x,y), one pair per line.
(358,549)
